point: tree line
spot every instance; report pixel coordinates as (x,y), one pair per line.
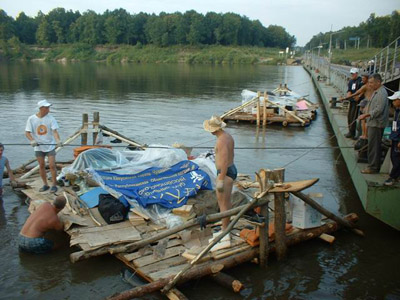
(375,32)
(115,27)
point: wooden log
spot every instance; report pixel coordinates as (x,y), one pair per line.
(327,213)
(264,239)
(265,109)
(227,281)
(258,108)
(240,107)
(279,216)
(229,262)
(327,238)
(96,122)
(67,141)
(176,294)
(119,136)
(85,124)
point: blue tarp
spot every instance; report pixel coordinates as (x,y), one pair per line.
(169,187)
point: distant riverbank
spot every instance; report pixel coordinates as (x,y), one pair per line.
(144,54)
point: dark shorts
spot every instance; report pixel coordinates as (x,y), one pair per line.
(34,245)
(43,154)
(231,172)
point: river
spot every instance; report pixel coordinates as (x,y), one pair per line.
(166,104)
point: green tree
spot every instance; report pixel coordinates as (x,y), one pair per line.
(88,29)
(6,26)
(229,29)
(25,28)
(43,33)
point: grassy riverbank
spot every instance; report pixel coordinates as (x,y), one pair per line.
(346,57)
(144,54)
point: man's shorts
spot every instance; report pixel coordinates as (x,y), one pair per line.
(43,154)
(231,172)
(35,245)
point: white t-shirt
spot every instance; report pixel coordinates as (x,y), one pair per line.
(42,131)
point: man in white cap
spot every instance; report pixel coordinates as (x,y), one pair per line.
(41,131)
(226,170)
(355,83)
(395,137)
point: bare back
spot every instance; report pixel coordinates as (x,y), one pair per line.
(41,220)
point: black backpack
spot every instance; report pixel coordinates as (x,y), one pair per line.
(111,209)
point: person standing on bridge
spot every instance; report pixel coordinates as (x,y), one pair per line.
(41,131)
(226,169)
(355,84)
(377,115)
(395,137)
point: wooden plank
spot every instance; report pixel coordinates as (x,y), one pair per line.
(164,264)
(287,187)
(147,260)
(231,251)
(107,237)
(137,254)
(167,272)
(110,227)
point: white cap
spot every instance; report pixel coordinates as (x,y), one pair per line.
(395,96)
(44,103)
(353,70)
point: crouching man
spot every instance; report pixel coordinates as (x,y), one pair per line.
(43,219)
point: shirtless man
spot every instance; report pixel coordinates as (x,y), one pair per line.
(365,93)
(43,219)
(226,170)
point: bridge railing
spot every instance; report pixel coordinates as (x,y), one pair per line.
(387,61)
(338,76)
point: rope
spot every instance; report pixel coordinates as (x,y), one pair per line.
(209,147)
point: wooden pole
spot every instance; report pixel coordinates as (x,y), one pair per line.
(67,141)
(117,135)
(85,123)
(264,239)
(263,178)
(279,216)
(258,108)
(265,109)
(227,281)
(96,122)
(205,269)
(236,109)
(288,111)
(327,213)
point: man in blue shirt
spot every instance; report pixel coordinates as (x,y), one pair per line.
(395,137)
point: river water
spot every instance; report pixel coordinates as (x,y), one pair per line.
(166,104)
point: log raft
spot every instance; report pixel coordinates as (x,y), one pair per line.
(162,256)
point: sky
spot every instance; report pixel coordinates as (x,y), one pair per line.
(301,18)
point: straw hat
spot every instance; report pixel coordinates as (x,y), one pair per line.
(214,124)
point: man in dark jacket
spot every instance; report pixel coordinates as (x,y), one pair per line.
(355,84)
(395,137)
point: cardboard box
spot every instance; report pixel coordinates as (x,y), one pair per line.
(303,215)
